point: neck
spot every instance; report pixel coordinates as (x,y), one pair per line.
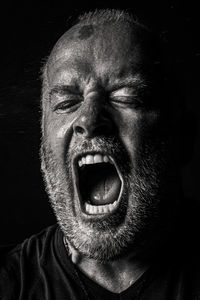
(116,276)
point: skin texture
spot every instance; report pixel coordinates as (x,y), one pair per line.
(85,32)
(99,95)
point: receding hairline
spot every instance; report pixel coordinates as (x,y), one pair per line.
(104,17)
(98,17)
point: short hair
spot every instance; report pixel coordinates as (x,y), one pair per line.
(102,16)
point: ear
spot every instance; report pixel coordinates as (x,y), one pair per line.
(188,134)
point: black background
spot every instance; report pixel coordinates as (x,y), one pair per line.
(28,32)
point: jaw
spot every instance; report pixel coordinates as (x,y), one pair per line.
(98,184)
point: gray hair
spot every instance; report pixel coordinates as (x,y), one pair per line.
(101,16)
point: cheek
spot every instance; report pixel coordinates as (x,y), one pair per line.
(134,128)
(57,132)
(128,123)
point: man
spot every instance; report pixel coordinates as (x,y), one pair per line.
(110,158)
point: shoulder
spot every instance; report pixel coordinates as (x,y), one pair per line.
(16,261)
(37,266)
(35,245)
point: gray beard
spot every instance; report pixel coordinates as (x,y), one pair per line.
(142,217)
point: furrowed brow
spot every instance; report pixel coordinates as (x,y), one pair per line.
(132,81)
(64,89)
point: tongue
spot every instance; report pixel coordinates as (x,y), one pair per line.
(105,190)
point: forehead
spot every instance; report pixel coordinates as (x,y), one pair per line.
(103,51)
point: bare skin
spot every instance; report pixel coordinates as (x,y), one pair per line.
(115,276)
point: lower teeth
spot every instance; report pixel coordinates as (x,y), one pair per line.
(100,209)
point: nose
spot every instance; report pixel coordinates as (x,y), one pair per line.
(93,121)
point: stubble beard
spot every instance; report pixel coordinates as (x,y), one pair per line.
(137,222)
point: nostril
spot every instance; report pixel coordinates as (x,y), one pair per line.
(91,126)
(79,130)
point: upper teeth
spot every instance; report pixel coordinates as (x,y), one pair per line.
(93,159)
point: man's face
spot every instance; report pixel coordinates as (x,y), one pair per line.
(104,149)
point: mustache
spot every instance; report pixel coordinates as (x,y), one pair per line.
(109,145)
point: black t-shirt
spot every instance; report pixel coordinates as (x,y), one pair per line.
(40,269)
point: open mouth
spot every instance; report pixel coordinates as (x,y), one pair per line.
(99,183)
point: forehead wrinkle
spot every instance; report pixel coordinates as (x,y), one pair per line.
(96,57)
(70,71)
(87,78)
(105,36)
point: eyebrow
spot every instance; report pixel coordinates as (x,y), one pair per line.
(132,81)
(135,81)
(65,89)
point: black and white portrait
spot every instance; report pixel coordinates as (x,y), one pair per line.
(99,117)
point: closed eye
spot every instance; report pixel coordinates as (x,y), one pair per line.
(65,98)
(126,97)
(126,101)
(67,105)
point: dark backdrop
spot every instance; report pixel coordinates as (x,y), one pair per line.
(28,32)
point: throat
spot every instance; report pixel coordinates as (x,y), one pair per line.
(116,276)
(105,189)
(100,184)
